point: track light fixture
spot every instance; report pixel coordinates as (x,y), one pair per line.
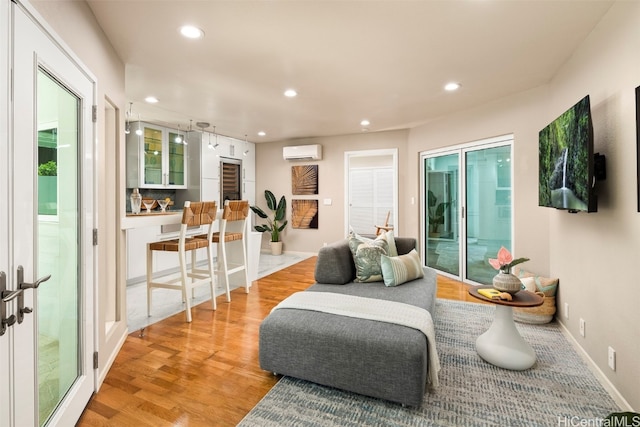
(127,114)
(139,130)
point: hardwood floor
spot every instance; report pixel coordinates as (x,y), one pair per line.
(204,373)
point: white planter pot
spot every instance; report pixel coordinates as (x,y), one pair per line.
(276,248)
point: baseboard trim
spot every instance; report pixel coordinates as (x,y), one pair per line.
(593,367)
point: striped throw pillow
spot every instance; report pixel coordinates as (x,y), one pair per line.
(401,269)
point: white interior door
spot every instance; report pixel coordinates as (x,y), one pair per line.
(49,349)
(371,190)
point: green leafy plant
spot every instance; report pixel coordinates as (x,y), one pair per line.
(278,222)
(48,169)
(436,211)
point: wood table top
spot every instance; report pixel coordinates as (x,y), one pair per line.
(520,299)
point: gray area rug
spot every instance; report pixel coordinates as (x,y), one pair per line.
(559,390)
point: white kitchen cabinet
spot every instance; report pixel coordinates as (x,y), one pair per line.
(249,163)
(249,192)
(210,190)
(137,239)
(156,157)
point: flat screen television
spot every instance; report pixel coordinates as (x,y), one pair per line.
(567,164)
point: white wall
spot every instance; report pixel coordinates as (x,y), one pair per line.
(592,254)
(273,173)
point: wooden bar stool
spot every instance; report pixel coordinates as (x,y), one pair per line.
(194,214)
(232,236)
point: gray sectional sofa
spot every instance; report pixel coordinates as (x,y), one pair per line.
(368,357)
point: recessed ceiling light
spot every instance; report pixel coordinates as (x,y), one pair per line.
(151,99)
(365,122)
(191,32)
(262,133)
(290,93)
(450,87)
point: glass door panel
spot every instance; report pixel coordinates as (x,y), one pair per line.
(488,209)
(466,208)
(442,212)
(57,244)
(152,155)
(176,159)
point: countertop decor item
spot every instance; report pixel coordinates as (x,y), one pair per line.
(505,281)
(136,200)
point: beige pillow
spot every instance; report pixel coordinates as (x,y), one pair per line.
(547,285)
(401,269)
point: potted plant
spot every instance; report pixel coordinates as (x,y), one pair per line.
(275,224)
(48,188)
(436,213)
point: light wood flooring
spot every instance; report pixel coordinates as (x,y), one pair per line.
(204,373)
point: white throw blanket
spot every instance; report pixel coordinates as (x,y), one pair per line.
(371,309)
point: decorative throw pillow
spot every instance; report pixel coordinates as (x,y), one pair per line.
(387,235)
(401,269)
(366,257)
(391,241)
(546,285)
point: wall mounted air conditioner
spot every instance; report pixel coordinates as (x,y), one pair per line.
(303,152)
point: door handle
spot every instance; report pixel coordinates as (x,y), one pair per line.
(22,285)
(6,297)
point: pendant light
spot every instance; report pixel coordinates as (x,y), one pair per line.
(139,130)
(186,136)
(127,114)
(246,149)
(178,139)
(215,135)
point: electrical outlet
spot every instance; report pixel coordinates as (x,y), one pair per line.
(566,310)
(612,358)
(582,324)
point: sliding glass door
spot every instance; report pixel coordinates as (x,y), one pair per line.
(466,207)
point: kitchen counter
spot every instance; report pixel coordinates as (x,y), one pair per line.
(144,219)
(147,227)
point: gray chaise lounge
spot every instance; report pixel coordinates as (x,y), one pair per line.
(368,357)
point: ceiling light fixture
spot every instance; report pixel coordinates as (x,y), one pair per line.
(178,139)
(151,99)
(262,133)
(139,130)
(127,114)
(215,134)
(290,93)
(452,86)
(365,122)
(191,32)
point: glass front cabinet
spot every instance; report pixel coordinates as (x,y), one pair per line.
(156,157)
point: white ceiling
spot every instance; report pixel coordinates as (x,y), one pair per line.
(386,61)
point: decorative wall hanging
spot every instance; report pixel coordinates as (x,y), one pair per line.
(304,180)
(304,213)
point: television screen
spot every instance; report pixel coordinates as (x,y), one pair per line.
(566,163)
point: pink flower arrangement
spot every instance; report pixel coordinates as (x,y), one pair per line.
(505,261)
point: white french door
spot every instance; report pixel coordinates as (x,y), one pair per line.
(46,230)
